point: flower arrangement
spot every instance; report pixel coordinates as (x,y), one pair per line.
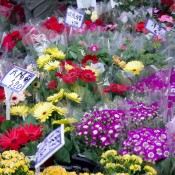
(125,165)
(14,163)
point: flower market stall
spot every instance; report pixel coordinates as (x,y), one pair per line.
(88,89)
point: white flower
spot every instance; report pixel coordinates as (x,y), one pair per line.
(94,16)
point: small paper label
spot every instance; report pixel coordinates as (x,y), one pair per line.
(98,66)
(155,28)
(52,143)
(17,79)
(74,18)
(85,4)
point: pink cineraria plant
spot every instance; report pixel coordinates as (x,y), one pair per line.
(166,18)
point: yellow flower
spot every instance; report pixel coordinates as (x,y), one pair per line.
(58,96)
(42,60)
(94,16)
(126,157)
(65,121)
(137,159)
(68,67)
(150,169)
(135,167)
(52,65)
(55,53)
(134,67)
(122,174)
(19,110)
(67,129)
(61,111)
(43,111)
(73,96)
(110,165)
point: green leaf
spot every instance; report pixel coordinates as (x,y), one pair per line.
(62,155)
(68,144)
(30,119)
(7,124)
(90,155)
(30,148)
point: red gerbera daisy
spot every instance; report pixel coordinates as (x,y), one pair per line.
(32,132)
(71,76)
(140,27)
(2,94)
(52,85)
(57,74)
(116,88)
(12,140)
(90,57)
(67,62)
(2,118)
(88,76)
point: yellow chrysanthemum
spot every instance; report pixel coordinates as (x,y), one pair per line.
(97,72)
(43,111)
(61,111)
(73,96)
(19,110)
(134,67)
(55,53)
(58,96)
(52,65)
(65,121)
(42,60)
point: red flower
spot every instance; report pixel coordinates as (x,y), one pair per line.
(12,140)
(57,74)
(87,58)
(71,76)
(67,62)
(167,2)
(52,85)
(88,24)
(88,76)
(10,40)
(99,22)
(116,88)
(2,118)
(140,27)
(5,3)
(32,132)
(2,94)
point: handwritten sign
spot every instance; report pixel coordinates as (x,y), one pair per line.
(17,79)
(52,143)
(155,28)
(85,4)
(74,18)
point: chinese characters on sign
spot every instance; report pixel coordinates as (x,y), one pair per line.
(73,18)
(52,143)
(155,28)
(17,79)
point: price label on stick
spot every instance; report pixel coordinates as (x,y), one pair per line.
(17,79)
(74,18)
(155,28)
(85,4)
(52,143)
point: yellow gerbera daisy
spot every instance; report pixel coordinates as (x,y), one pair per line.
(68,67)
(43,111)
(19,110)
(61,111)
(42,60)
(134,67)
(97,72)
(65,121)
(73,96)
(52,65)
(58,96)
(55,53)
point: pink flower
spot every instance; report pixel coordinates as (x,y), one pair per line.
(123,47)
(16,98)
(166,18)
(94,48)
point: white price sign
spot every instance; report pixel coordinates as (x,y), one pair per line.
(74,18)
(155,28)
(52,143)
(17,79)
(85,4)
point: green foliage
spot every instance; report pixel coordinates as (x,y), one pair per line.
(7,124)
(30,148)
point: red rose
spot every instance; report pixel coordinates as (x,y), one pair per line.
(71,76)
(88,24)
(16,35)
(99,22)
(88,76)
(2,94)
(116,88)
(140,27)
(52,85)
(8,44)
(87,58)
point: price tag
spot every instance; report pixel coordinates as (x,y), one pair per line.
(98,66)
(85,4)
(73,18)
(155,28)
(17,79)
(52,143)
